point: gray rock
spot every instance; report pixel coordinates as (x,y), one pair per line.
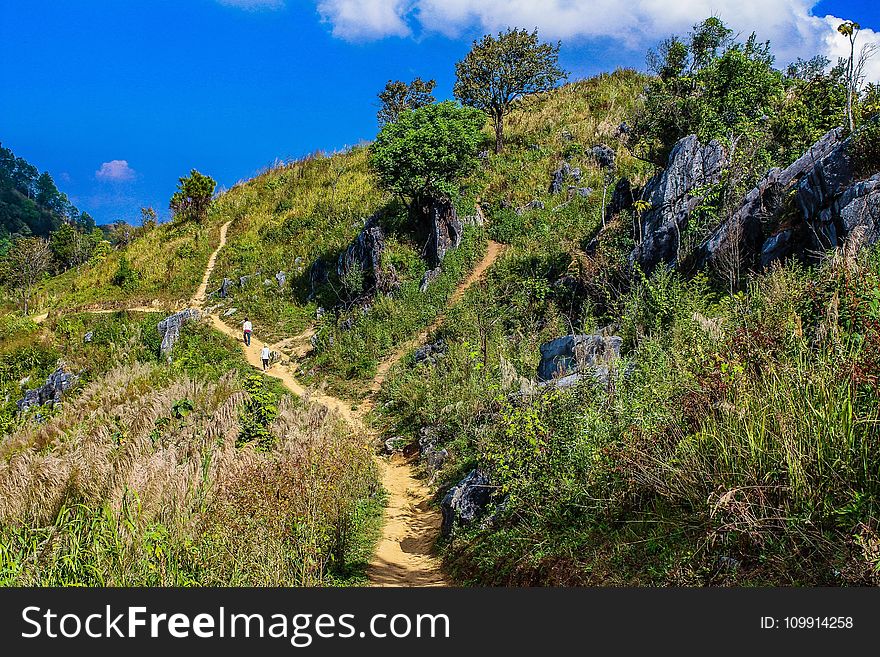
(88,337)
(169,328)
(560,177)
(429,353)
(445,230)
(535,205)
(465,501)
(50,392)
(673,195)
(604,155)
(229,312)
(583,192)
(365,252)
(761,205)
(476,219)
(395,444)
(268,283)
(318,276)
(224,288)
(281,277)
(776,247)
(433,455)
(573,353)
(429,277)
(622,199)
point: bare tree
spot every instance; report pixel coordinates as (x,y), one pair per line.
(850,29)
(26,263)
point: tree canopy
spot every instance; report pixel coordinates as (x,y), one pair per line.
(193,197)
(500,70)
(427,150)
(399,96)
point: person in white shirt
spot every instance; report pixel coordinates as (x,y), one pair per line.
(248,329)
(264,354)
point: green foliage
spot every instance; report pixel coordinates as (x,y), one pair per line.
(398,97)
(866,149)
(499,71)
(427,151)
(126,277)
(193,197)
(260,410)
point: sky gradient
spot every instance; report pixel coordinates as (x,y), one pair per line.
(118,99)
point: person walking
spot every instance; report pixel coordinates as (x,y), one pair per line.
(248,329)
(264,355)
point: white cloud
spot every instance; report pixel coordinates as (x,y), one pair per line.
(838,46)
(253,5)
(358,20)
(637,24)
(115,171)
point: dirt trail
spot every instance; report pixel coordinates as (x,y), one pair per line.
(199,297)
(493,252)
(403,556)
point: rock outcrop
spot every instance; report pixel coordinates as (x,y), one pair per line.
(762,205)
(574,353)
(50,392)
(169,328)
(560,177)
(673,195)
(830,203)
(465,501)
(365,252)
(622,198)
(445,230)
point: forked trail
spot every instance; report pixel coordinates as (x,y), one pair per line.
(403,556)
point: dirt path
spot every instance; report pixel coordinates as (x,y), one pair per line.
(403,556)
(199,297)
(493,252)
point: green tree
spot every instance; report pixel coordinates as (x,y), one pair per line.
(193,197)
(149,220)
(25,265)
(426,151)
(398,96)
(497,72)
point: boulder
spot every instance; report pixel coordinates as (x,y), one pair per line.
(169,328)
(281,277)
(229,312)
(429,353)
(224,288)
(445,230)
(433,455)
(761,206)
(604,155)
(476,219)
(465,501)
(429,277)
(583,192)
(672,196)
(318,276)
(622,198)
(365,252)
(560,177)
(88,337)
(50,392)
(573,353)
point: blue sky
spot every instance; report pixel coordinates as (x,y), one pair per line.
(118,99)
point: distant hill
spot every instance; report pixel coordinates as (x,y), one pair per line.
(30,203)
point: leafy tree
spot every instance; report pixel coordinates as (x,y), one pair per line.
(497,72)
(193,197)
(71,247)
(398,96)
(149,220)
(126,277)
(807,69)
(26,263)
(426,151)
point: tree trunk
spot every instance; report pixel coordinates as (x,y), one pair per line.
(499,134)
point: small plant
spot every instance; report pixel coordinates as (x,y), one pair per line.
(126,277)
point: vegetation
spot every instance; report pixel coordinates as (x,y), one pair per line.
(499,71)
(397,97)
(145,478)
(193,197)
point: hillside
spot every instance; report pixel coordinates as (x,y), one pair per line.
(637,346)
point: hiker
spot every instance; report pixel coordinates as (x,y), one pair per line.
(264,354)
(248,329)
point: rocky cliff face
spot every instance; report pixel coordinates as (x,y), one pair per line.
(802,210)
(672,196)
(169,328)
